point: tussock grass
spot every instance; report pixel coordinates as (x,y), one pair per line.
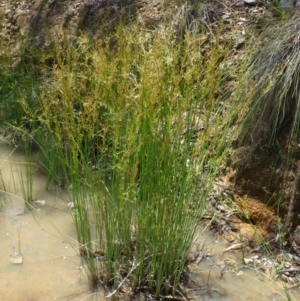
(273,76)
(136,125)
(271,90)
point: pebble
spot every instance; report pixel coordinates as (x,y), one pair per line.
(251,2)
(71,205)
(248,260)
(15,258)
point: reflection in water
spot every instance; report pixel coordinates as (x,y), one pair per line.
(52,269)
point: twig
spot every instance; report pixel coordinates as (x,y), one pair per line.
(291,205)
(121,283)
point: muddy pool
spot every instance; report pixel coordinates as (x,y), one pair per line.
(44,239)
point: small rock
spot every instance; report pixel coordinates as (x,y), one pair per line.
(71,205)
(40,202)
(221,208)
(248,260)
(251,2)
(15,258)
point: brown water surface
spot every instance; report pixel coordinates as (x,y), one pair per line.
(52,270)
(45,237)
(223,276)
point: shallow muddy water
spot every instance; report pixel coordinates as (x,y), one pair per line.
(223,276)
(51,269)
(45,237)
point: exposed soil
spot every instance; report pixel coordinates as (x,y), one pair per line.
(268,179)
